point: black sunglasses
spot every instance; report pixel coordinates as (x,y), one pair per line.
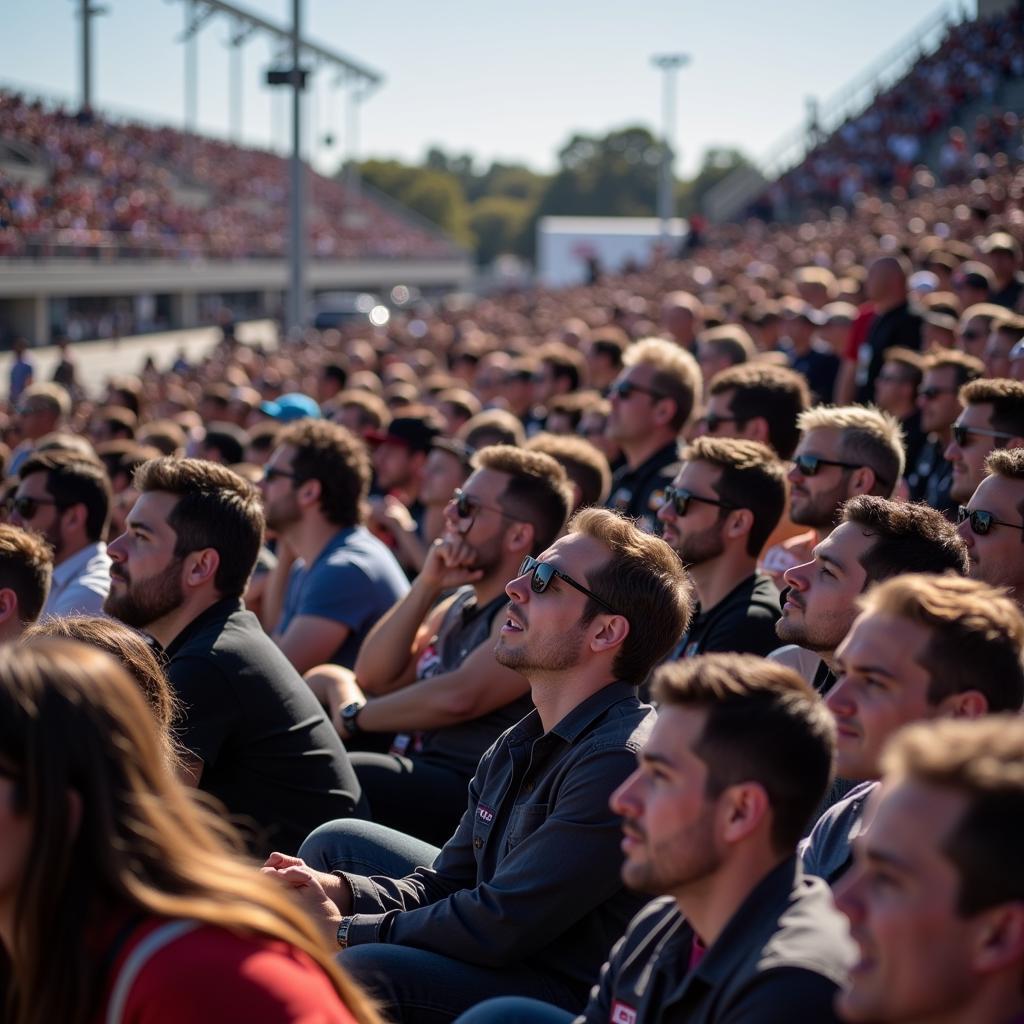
(624,389)
(545,572)
(712,421)
(810,464)
(961,434)
(679,498)
(27,507)
(930,393)
(982,521)
(466,506)
(273,473)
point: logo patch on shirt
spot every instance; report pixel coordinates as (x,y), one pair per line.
(484,813)
(622,1014)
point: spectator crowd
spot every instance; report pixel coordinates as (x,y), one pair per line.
(649,651)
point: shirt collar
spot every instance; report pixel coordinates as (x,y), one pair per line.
(219,610)
(72,567)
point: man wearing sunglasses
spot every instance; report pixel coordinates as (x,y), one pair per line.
(651,401)
(717,514)
(993,417)
(938,398)
(921,647)
(526,898)
(992,523)
(844,451)
(66,499)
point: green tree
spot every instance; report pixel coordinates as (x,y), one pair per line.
(497,224)
(717,164)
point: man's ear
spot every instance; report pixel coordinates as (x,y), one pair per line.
(612,632)
(8,605)
(308,492)
(756,429)
(998,943)
(738,523)
(969,704)
(862,481)
(200,567)
(74,516)
(664,411)
(519,537)
(741,810)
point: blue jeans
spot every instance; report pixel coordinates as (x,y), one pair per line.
(415,986)
(515,1010)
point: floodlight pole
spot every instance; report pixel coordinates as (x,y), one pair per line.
(669,63)
(296,199)
(86,12)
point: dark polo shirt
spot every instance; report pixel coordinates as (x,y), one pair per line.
(899,326)
(638,493)
(742,622)
(780,959)
(269,754)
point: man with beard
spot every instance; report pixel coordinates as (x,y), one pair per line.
(876,539)
(252,731)
(428,666)
(843,451)
(333,578)
(734,767)
(724,503)
(526,897)
(66,499)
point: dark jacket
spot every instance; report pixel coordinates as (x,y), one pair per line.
(532,874)
(638,493)
(779,960)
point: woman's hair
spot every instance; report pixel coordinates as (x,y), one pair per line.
(111,829)
(129,647)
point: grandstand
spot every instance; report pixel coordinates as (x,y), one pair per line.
(115,224)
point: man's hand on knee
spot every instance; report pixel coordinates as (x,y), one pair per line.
(294,872)
(306,888)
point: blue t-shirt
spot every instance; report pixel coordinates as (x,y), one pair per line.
(354,580)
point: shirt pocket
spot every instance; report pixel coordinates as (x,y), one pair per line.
(523,822)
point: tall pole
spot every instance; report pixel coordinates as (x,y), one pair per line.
(669,64)
(352,178)
(191,71)
(86,15)
(236,90)
(296,204)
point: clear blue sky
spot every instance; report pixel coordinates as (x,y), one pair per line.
(509,81)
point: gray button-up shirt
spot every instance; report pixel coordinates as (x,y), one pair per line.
(531,876)
(80,583)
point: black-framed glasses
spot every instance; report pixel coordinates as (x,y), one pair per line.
(271,473)
(982,521)
(712,421)
(625,389)
(933,392)
(466,506)
(810,464)
(679,499)
(27,507)
(962,433)
(545,572)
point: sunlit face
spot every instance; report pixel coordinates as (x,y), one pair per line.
(968,459)
(485,527)
(997,557)
(915,950)
(40,513)
(395,465)
(635,417)
(442,473)
(668,821)
(280,503)
(881,686)
(819,608)
(937,399)
(815,500)
(697,536)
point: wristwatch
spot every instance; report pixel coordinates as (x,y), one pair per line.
(343,927)
(350,717)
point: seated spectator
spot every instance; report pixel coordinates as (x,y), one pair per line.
(936,902)
(566,411)
(360,412)
(1003,335)
(975,326)
(586,466)
(260,442)
(711,818)
(593,427)
(876,539)
(504,906)
(333,578)
(682,316)
(718,348)
(428,666)
(896,389)
(921,647)
(1003,253)
(652,400)
(604,353)
(114,423)
(723,504)
(223,443)
(42,409)
(808,354)
(492,426)
(254,735)
(141,907)
(67,501)
(992,417)
(26,565)
(992,526)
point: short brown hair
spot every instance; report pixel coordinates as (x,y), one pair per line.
(537,492)
(871,437)
(981,759)
(1006,462)
(764,724)
(908,538)
(216,509)
(373,413)
(586,466)
(751,478)
(1006,398)
(730,341)
(777,393)
(72,480)
(492,426)
(26,567)
(965,368)
(910,363)
(976,635)
(645,581)
(676,373)
(164,435)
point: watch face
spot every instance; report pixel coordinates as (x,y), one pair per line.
(351,710)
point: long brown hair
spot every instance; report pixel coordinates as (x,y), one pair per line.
(76,733)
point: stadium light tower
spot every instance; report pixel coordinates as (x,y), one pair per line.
(86,12)
(669,63)
(296,200)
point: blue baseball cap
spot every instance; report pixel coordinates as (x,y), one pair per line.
(291,407)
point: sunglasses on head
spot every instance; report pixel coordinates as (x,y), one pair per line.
(808,465)
(961,434)
(679,499)
(545,572)
(982,521)
(27,507)
(624,389)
